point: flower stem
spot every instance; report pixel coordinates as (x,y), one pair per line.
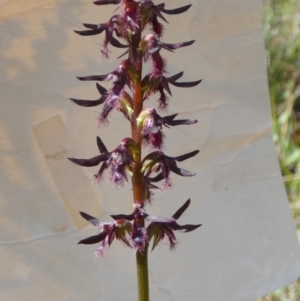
(142,275)
(137,178)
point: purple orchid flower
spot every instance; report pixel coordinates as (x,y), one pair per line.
(120,229)
(94,29)
(155,83)
(157,161)
(150,124)
(116,97)
(151,12)
(160,228)
(119,161)
(151,47)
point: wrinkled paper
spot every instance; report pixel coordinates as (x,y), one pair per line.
(247,245)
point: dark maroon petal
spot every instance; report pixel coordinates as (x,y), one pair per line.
(157,26)
(101,146)
(157,12)
(162,99)
(169,117)
(94,77)
(89,162)
(175,77)
(108,35)
(180,121)
(123,54)
(179,212)
(157,219)
(128,217)
(101,89)
(104,2)
(93,239)
(161,5)
(114,42)
(91,32)
(88,103)
(172,239)
(157,178)
(181,172)
(102,169)
(185,84)
(157,232)
(176,10)
(91,219)
(186,156)
(111,236)
(185,228)
(155,154)
(152,49)
(174,46)
(91,26)
(165,85)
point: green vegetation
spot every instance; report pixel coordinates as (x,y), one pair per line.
(281,26)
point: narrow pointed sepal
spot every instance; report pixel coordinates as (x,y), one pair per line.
(174,46)
(94,77)
(174,11)
(91,219)
(105,2)
(180,122)
(185,84)
(175,76)
(128,217)
(181,210)
(116,43)
(181,172)
(89,162)
(185,228)
(186,156)
(93,239)
(91,32)
(88,103)
(102,148)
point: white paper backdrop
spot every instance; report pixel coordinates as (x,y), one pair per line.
(247,245)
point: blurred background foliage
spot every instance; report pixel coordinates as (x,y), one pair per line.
(281,24)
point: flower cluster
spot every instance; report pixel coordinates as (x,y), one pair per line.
(124,228)
(128,93)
